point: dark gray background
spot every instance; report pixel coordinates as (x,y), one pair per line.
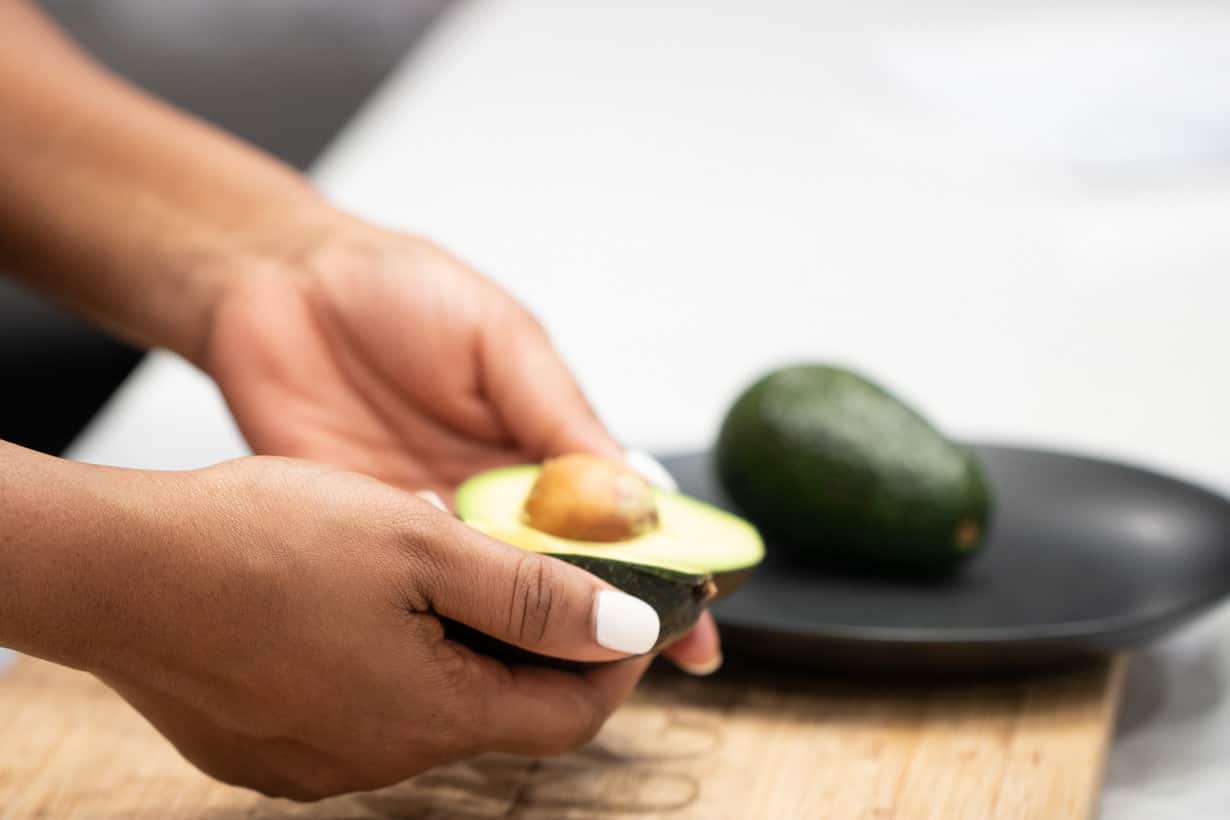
(283,74)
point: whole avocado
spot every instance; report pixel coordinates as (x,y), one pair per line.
(834,466)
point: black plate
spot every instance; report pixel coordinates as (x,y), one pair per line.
(1083,556)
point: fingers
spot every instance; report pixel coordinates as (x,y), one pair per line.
(532,601)
(432,498)
(651,470)
(537,711)
(536,396)
(219,754)
(700,651)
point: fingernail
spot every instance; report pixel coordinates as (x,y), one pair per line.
(624,623)
(432,499)
(701,670)
(651,470)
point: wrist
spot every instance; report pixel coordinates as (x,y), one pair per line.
(275,239)
(70,549)
(305,250)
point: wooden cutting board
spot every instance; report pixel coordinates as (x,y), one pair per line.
(744,744)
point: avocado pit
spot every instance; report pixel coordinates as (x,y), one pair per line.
(589,498)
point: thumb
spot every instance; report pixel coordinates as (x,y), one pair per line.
(533,601)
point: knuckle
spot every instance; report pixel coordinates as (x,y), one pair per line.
(460,725)
(534,599)
(453,670)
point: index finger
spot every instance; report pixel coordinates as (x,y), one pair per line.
(537,711)
(536,395)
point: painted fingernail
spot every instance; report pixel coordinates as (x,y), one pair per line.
(624,623)
(432,499)
(701,670)
(651,470)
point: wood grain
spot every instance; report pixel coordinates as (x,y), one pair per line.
(745,744)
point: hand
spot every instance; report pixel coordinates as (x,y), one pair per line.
(280,626)
(381,353)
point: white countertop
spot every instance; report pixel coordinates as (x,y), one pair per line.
(960,202)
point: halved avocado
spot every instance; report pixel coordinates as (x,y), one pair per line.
(693,552)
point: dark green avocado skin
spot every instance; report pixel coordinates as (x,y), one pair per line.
(677,597)
(836,468)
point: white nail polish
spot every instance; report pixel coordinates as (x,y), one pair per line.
(624,623)
(431,498)
(650,469)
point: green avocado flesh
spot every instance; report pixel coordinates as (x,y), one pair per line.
(835,467)
(696,551)
(691,537)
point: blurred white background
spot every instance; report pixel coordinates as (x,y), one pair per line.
(689,193)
